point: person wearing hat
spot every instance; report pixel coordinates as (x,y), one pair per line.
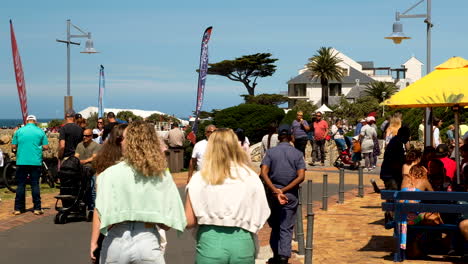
(28,143)
(442,153)
(69,136)
(282,170)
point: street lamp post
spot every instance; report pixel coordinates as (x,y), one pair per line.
(384,94)
(397,36)
(89,49)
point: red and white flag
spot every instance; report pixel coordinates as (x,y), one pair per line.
(19,74)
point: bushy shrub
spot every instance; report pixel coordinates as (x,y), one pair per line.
(252,118)
(127,116)
(55,123)
(307,109)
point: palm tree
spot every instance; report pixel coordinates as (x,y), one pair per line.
(324,66)
(381,90)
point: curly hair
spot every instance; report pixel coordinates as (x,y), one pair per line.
(142,149)
(111,151)
(417,172)
(412,156)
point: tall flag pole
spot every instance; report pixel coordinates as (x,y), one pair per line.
(19,74)
(102,86)
(203,70)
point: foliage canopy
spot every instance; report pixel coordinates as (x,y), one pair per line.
(252,118)
(245,69)
(265,99)
(324,66)
(381,90)
(128,116)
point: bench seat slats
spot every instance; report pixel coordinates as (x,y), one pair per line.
(427,196)
(420,207)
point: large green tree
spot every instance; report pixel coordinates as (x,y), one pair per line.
(381,90)
(245,69)
(324,66)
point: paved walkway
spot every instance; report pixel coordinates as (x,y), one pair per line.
(347,233)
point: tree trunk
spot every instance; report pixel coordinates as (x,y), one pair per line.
(325,92)
(250,90)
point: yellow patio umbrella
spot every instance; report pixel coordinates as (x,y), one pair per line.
(447,86)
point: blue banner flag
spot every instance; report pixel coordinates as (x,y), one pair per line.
(202,75)
(102,86)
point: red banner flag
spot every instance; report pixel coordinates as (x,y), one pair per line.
(19,75)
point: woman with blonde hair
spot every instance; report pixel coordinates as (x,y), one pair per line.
(392,129)
(228,202)
(135,197)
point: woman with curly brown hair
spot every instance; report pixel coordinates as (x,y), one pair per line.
(135,197)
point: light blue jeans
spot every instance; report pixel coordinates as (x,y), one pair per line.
(132,242)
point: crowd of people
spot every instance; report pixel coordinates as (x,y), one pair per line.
(135,200)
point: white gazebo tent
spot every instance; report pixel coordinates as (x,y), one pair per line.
(323,109)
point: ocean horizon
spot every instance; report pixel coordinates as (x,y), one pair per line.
(13,122)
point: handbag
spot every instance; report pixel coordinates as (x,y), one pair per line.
(432,219)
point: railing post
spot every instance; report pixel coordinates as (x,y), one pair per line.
(361,183)
(299,225)
(310,224)
(325,192)
(341,187)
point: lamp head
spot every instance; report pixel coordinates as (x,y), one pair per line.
(89,47)
(397,36)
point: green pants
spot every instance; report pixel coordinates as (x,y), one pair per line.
(224,245)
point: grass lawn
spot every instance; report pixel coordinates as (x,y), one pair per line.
(5,194)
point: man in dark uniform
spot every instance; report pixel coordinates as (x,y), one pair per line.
(283,169)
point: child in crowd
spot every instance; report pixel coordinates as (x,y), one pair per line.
(356,157)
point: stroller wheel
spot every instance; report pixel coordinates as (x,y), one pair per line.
(336,164)
(60,219)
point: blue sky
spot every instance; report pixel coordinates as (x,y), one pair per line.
(150,48)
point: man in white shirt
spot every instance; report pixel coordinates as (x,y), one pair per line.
(199,151)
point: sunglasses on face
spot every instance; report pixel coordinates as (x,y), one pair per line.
(99,122)
(87,135)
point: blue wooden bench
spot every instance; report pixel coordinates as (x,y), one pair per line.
(442,202)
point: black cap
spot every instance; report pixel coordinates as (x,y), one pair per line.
(442,150)
(284,130)
(70,113)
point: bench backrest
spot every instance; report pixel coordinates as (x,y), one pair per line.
(446,202)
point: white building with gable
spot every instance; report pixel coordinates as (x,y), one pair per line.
(357,74)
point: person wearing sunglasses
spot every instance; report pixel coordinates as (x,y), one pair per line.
(98,131)
(86,152)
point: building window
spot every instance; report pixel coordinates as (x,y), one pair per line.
(300,89)
(345,72)
(335,89)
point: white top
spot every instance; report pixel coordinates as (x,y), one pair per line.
(198,152)
(367,144)
(436,137)
(98,132)
(334,131)
(238,202)
(273,143)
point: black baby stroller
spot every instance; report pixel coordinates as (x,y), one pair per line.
(74,191)
(344,156)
